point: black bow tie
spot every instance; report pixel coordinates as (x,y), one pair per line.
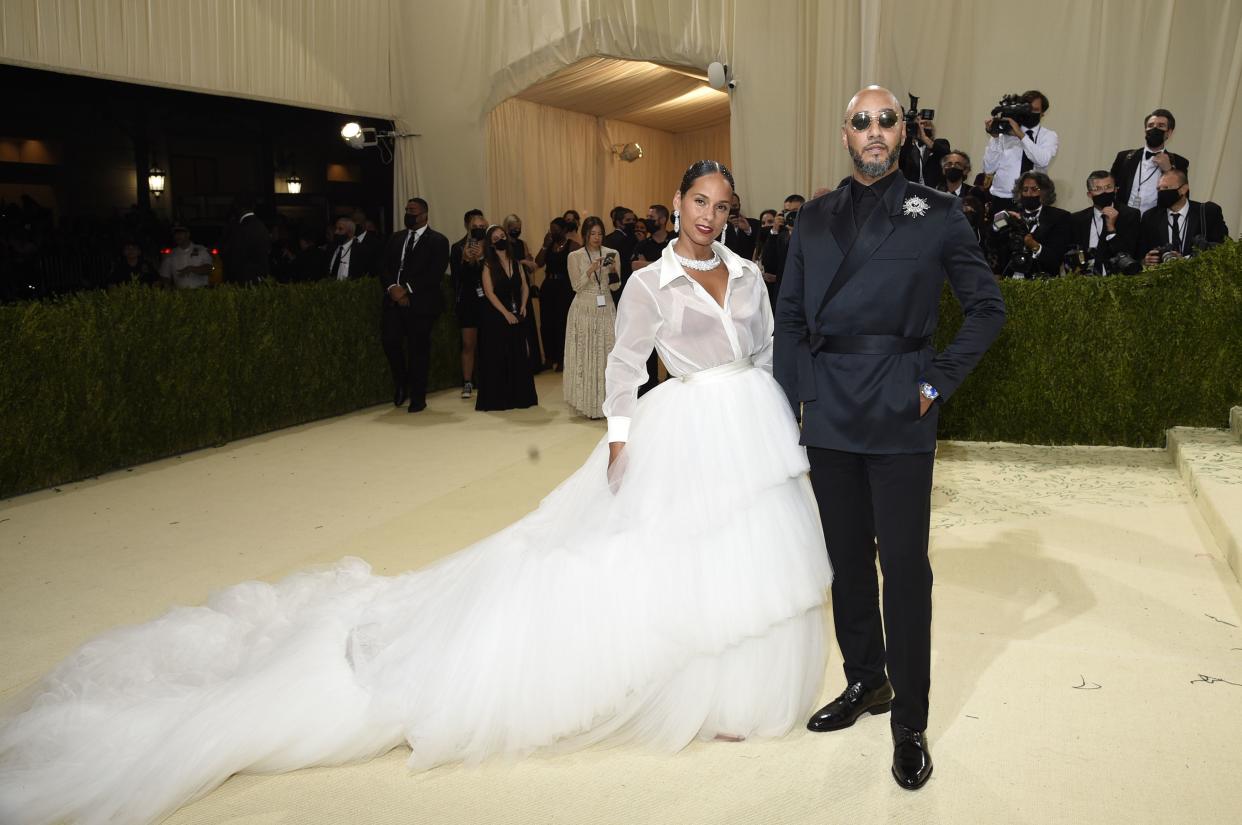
(1149,155)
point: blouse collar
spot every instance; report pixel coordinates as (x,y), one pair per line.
(671,270)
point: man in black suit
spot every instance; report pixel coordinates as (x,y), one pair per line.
(1137,171)
(1177,225)
(1047,234)
(955,175)
(414,266)
(921,155)
(248,249)
(854,322)
(368,248)
(741,232)
(1106,228)
(622,239)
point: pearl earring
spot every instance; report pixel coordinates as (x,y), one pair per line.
(677,221)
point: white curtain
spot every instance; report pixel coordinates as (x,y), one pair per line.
(443,65)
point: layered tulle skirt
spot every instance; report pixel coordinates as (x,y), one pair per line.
(681,600)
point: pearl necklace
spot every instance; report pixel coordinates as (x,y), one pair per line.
(701,266)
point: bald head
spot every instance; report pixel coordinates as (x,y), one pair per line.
(872,98)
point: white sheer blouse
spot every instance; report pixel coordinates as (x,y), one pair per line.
(663,307)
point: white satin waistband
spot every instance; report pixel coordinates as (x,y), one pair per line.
(721,371)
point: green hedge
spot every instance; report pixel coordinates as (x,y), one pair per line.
(1117,360)
(103,380)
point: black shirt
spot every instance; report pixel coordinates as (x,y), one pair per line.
(866,197)
(651,249)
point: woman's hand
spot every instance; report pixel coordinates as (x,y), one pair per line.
(616,464)
(595,266)
(511,318)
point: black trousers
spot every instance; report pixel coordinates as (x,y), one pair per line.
(406,337)
(867,501)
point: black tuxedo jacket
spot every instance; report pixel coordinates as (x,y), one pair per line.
(897,263)
(740,243)
(367,258)
(1125,239)
(933,175)
(248,251)
(1127,163)
(422,272)
(1054,235)
(1203,219)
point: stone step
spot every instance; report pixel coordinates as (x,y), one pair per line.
(1235,423)
(1210,461)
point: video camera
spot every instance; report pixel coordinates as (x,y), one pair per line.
(1014,106)
(913,115)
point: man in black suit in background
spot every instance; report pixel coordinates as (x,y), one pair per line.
(622,239)
(414,266)
(368,260)
(858,306)
(921,155)
(741,232)
(248,248)
(1048,234)
(1177,227)
(1136,172)
(1106,228)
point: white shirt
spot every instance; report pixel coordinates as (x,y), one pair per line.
(1146,178)
(1184,212)
(1002,159)
(181,257)
(345,250)
(662,306)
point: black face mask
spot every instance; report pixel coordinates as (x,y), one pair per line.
(651,224)
(411,222)
(340,239)
(515,233)
(1154,137)
(1103,199)
(628,228)
(954,175)
(1165,198)
(1031,202)
(477,232)
(501,244)
(571,226)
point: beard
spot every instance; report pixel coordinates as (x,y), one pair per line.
(874,168)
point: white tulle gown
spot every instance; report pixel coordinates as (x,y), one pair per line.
(683,602)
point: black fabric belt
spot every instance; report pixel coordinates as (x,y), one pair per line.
(867,344)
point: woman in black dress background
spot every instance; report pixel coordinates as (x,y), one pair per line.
(555,293)
(503,367)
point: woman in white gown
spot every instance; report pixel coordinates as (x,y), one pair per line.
(669,593)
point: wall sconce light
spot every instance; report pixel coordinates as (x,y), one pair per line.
(155,181)
(294,183)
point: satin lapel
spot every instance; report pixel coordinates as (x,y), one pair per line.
(839,216)
(870,236)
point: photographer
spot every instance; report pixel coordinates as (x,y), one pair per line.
(1107,230)
(776,245)
(1178,227)
(741,232)
(1019,143)
(1137,171)
(922,153)
(1032,240)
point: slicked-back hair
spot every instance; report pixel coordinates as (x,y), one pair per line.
(704,167)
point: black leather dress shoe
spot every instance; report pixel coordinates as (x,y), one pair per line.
(912,762)
(852,703)
(417,406)
(398,397)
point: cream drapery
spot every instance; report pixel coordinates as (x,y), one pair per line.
(543,160)
(443,65)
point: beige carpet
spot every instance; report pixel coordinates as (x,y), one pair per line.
(1087,650)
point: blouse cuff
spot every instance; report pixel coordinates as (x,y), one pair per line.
(618,428)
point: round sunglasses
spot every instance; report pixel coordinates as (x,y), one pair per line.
(861,121)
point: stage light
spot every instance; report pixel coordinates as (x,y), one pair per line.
(352,133)
(155,181)
(294,183)
(628,152)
